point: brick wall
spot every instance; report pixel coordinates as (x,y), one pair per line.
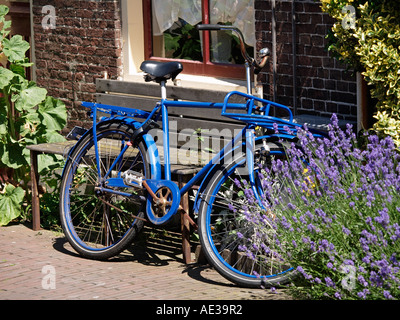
(85,42)
(323,84)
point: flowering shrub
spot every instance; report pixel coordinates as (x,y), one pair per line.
(371,45)
(336,210)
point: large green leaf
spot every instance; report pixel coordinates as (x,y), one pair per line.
(11,155)
(5,77)
(3,10)
(53,114)
(49,162)
(10,204)
(15,48)
(29,98)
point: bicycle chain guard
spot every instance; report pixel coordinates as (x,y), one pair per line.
(162,201)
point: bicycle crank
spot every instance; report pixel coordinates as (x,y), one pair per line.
(163,200)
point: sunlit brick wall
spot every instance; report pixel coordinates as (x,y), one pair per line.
(83,43)
(323,85)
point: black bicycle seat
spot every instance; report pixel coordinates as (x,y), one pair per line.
(160,71)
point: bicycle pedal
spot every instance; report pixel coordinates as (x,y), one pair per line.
(132,178)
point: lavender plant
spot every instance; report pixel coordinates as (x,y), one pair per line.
(331,210)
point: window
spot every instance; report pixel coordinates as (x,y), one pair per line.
(170,33)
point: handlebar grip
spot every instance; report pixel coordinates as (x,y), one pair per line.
(209,27)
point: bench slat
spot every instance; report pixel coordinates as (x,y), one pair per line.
(147,104)
(153,90)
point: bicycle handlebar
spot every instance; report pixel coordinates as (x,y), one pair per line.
(258,66)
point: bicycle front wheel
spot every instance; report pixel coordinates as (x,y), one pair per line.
(232,231)
(99,216)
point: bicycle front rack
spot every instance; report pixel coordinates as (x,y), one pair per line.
(257,111)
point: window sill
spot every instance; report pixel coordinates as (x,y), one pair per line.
(199,82)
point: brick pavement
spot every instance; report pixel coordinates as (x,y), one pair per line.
(41,265)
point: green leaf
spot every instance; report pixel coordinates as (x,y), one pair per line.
(18,69)
(29,98)
(48,162)
(53,114)
(10,204)
(3,125)
(171,42)
(3,10)
(54,136)
(15,48)
(12,155)
(5,77)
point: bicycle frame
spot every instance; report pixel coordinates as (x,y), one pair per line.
(133,182)
(244,112)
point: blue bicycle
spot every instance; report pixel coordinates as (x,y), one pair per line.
(113,180)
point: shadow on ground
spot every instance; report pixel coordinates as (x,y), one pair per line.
(153,247)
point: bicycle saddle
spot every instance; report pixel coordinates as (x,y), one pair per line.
(160,71)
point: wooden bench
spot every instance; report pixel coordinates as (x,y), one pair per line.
(182,175)
(144,96)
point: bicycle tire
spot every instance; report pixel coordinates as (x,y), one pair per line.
(219,226)
(100,225)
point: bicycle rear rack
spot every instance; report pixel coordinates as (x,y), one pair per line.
(116,111)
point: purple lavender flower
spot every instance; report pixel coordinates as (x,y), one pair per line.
(348,262)
(275,126)
(362,281)
(231,207)
(363,294)
(346,231)
(329,282)
(383,218)
(387,294)
(311,227)
(237,183)
(338,295)
(287,225)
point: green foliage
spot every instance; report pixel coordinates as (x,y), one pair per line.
(10,203)
(372,46)
(27,116)
(183,42)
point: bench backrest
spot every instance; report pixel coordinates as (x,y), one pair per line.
(185,121)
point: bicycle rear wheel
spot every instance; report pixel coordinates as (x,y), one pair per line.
(235,240)
(100,217)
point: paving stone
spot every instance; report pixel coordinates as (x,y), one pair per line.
(146,275)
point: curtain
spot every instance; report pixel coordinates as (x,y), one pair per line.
(239,12)
(166,12)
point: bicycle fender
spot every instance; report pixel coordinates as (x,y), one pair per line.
(152,156)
